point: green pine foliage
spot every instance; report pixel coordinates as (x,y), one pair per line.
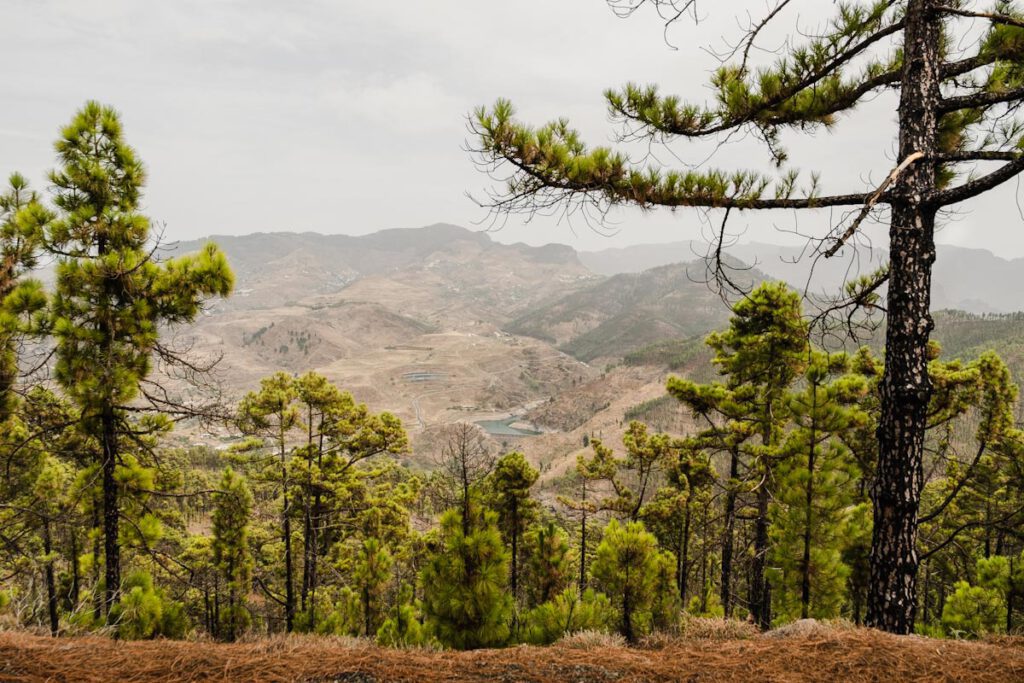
(144,611)
(637,577)
(973,611)
(816,479)
(465,582)
(402,628)
(549,569)
(231,554)
(510,485)
(370,579)
(568,613)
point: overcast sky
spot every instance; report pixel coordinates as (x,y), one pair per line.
(345,116)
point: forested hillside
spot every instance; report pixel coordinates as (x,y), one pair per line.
(187,458)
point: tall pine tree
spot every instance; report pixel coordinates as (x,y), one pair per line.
(112,295)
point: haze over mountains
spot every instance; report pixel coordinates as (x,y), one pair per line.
(973,280)
(441,323)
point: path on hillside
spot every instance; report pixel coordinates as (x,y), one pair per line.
(491,376)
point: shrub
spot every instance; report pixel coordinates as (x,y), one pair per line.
(402,628)
(144,612)
(568,613)
(973,611)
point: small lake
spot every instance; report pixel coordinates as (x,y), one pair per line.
(505,428)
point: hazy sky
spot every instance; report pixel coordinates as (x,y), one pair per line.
(348,116)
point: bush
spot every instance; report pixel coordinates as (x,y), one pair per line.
(402,628)
(973,611)
(144,612)
(568,613)
(593,640)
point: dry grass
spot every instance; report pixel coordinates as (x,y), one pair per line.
(847,655)
(593,640)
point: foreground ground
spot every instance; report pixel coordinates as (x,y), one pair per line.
(841,656)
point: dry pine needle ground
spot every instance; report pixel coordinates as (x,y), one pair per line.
(838,656)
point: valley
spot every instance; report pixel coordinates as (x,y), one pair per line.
(443,324)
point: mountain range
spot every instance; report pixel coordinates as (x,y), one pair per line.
(441,324)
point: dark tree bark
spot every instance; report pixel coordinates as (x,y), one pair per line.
(51,584)
(760,601)
(286,522)
(683,567)
(76,580)
(97,601)
(906,387)
(729,533)
(805,567)
(111,512)
(515,549)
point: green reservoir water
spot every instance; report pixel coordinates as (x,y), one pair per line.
(505,428)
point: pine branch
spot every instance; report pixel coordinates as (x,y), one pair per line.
(994,17)
(665,116)
(872,200)
(980,99)
(979,186)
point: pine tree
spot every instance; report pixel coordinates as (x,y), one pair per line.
(510,485)
(816,483)
(231,554)
(112,296)
(402,628)
(548,565)
(568,612)
(956,112)
(762,352)
(601,466)
(632,572)
(270,414)
(465,598)
(372,571)
(670,516)
(21,218)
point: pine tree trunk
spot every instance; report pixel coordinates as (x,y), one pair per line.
(728,535)
(583,542)
(683,570)
(307,518)
(1010,595)
(75,578)
(286,523)
(760,605)
(97,597)
(805,582)
(627,612)
(111,512)
(307,564)
(51,584)
(317,526)
(515,551)
(906,389)
(704,588)
(289,590)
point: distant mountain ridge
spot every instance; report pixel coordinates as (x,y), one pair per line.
(444,324)
(623,313)
(973,280)
(281,267)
